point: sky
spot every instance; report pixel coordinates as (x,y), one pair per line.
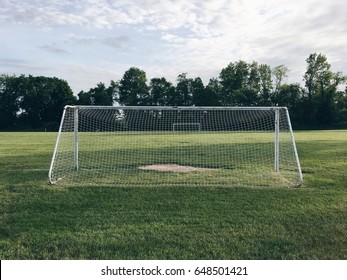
(92,41)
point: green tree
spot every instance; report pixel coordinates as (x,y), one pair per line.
(251,93)
(10,98)
(280,73)
(290,96)
(265,85)
(100,95)
(240,84)
(183,94)
(321,87)
(213,93)
(341,104)
(84,98)
(43,100)
(133,89)
(199,94)
(160,91)
(231,79)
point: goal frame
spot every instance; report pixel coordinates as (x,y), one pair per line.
(276,109)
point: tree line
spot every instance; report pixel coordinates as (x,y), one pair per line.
(28,102)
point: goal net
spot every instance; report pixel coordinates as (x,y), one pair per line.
(185,126)
(163,146)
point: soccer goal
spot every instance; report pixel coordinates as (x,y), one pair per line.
(168,146)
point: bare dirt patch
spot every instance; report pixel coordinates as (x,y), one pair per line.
(174,168)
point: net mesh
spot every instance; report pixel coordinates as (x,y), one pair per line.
(157,146)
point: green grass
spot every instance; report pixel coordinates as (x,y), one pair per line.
(39,221)
(233,159)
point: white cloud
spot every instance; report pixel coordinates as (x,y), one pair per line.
(54,49)
(198,37)
(115,42)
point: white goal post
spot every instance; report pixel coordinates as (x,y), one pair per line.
(187,146)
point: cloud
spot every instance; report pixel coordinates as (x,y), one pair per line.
(271,32)
(20,66)
(40,13)
(99,14)
(198,19)
(115,42)
(164,15)
(198,37)
(79,40)
(54,49)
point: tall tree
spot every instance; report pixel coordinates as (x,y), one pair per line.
(160,91)
(100,95)
(133,89)
(231,82)
(10,97)
(43,100)
(199,94)
(341,103)
(321,88)
(183,95)
(290,96)
(280,73)
(240,84)
(213,93)
(266,89)
(317,68)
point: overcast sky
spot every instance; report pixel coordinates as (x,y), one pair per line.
(91,41)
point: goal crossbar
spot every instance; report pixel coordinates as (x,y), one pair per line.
(187,108)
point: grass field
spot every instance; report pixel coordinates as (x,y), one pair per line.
(40,221)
